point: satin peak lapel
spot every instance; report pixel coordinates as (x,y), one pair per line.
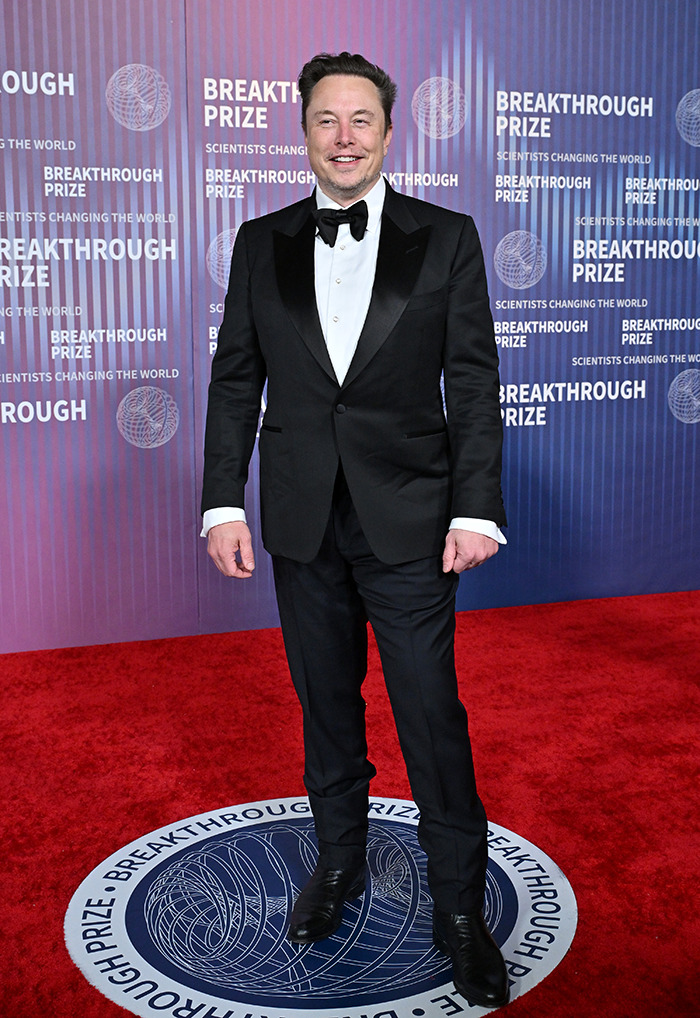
(399,261)
(294,266)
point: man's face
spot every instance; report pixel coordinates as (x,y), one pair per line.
(345,137)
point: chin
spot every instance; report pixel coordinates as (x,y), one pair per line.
(348,189)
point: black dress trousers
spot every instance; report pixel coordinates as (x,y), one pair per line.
(324,608)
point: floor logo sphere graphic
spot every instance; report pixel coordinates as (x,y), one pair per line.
(688,117)
(684,396)
(148,417)
(520,259)
(439,107)
(138,97)
(196,914)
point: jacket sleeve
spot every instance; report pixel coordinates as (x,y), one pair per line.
(472,386)
(237,380)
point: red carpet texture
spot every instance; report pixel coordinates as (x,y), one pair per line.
(584,721)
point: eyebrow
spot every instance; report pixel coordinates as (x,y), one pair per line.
(325,113)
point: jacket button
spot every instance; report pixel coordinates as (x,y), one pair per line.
(340,408)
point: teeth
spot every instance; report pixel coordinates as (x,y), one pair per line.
(344,159)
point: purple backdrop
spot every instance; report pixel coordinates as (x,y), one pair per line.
(137,136)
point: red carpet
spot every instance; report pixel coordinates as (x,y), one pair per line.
(585,727)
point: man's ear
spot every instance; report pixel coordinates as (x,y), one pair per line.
(387,138)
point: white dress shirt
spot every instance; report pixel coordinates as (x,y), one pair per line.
(344,277)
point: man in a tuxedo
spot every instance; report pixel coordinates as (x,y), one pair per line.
(352,304)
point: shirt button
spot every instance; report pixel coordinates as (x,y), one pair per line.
(340,408)
(335,318)
(337,280)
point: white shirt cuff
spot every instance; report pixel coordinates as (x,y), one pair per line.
(231,514)
(485,527)
(225,514)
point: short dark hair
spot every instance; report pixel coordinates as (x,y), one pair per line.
(346,63)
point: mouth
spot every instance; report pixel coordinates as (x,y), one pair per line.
(344,160)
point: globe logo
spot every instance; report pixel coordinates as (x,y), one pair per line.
(688,117)
(147,417)
(218,916)
(219,257)
(439,107)
(684,396)
(520,259)
(138,97)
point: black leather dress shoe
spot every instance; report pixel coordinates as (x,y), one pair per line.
(478,967)
(318,911)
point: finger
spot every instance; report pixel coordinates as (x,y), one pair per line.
(239,571)
(231,567)
(225,560)
(247,563)
(448,556)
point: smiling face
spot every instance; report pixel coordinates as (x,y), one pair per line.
(346,136)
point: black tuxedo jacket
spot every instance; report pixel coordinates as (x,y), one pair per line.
(408,469)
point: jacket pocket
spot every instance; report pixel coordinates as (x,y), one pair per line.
(428,433)
(422,301)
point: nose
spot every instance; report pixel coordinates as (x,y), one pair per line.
(344,133)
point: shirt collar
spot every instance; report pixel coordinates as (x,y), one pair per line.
(374,198)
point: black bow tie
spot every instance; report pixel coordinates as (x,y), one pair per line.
(328,221)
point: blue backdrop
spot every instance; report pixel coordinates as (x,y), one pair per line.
(138,135)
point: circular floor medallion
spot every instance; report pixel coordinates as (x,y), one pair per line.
(190,920)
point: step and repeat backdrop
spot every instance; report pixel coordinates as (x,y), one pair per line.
(137,135)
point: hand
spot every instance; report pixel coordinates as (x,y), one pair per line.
(465,550)
(224,541)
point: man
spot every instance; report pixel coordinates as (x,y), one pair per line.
(371,502)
